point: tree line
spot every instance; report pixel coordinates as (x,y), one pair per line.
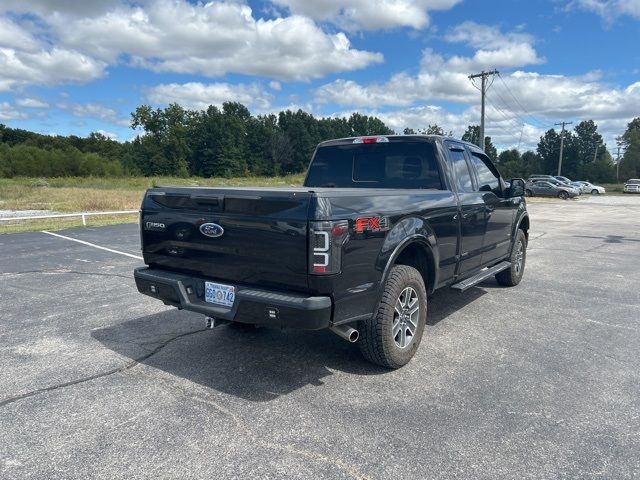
(229,141)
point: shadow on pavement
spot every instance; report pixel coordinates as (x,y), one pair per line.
(258,364)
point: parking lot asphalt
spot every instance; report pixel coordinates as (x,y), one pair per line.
(537,381)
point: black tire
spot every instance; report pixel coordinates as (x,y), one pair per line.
(528,193)
(563,195)
(595,192)
(512,275)
(377,341)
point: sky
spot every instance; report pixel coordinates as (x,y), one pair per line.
(69,67)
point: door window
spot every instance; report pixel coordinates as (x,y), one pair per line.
(488,181)
(460,170)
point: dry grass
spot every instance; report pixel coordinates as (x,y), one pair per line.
(62,223)
(21,197)
(71,195)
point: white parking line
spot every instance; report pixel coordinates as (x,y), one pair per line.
(93,245)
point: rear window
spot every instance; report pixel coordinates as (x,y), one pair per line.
(379,165)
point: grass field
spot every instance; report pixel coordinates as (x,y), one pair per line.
(76,194)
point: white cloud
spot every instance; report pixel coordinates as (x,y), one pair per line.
(47,7)
(97,111)
(111,135)
(76,41)
(609,10)
(199,95)
(211,39)
(499,50)
(27,60)
(31,103)
(369,14)
(440,78)
(8,112)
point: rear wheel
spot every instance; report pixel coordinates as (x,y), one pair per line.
(512,275)
(393,335)
(563,195)
(528,193)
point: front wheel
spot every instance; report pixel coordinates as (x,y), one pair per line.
(595,192)
(392,336)
(512,275)
(528,193)
(563,195)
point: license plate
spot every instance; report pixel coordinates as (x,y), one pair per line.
(219,294)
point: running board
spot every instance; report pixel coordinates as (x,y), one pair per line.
(483,275)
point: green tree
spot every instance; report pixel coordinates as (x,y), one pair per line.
(435,130)
(630,140)
(472,135)
(549,150)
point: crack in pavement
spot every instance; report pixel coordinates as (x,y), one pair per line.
(349,469)
(127,366)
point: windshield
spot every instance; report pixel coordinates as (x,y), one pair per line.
(633,181)
(379,165)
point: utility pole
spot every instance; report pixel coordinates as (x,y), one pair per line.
(483,91)
(618,166)
(561,145)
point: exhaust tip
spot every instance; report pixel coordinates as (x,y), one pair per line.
(349,334)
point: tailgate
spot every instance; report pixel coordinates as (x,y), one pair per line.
(254,237)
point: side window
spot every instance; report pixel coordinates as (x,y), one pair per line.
(487,180)
(460,170)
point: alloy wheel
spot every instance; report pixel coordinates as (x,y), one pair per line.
(405,317)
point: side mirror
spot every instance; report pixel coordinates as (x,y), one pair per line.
(516,187)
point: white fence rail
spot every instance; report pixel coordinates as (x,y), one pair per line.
(84,215)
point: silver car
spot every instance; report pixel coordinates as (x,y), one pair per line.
(548,189)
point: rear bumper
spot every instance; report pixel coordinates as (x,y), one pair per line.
(251,305)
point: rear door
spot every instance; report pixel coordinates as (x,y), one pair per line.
(544,189)
(499,210)
(472,212)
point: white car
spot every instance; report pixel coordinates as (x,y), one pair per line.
(632,185)
(586,187)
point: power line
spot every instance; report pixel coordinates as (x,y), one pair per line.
(512,118)
(542,123)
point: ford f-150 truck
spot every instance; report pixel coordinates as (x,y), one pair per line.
(380,224)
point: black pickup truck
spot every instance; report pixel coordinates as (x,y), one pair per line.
(380,223)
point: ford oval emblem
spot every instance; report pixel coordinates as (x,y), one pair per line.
(212,230)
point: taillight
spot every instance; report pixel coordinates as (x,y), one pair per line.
(325,246)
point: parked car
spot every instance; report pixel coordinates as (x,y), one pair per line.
(632,186)
(540,177)
(558,183)
(379,223)
(563,179)
(586,187)
(547,189)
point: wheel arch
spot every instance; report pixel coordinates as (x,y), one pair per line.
(523,225)
(416,251)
